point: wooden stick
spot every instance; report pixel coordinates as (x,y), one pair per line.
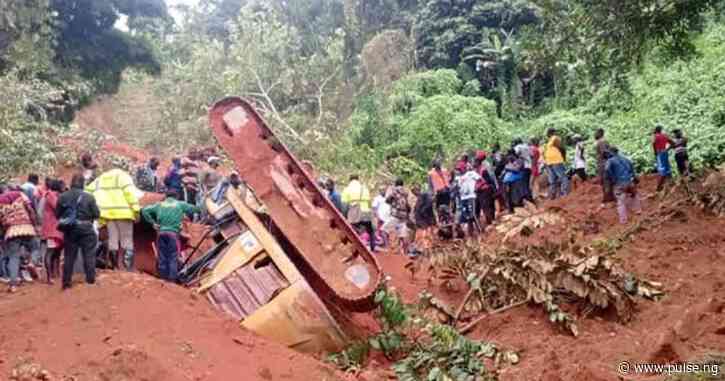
(470,292)
(472,324)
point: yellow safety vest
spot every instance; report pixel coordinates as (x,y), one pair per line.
(115,195)
(357,194)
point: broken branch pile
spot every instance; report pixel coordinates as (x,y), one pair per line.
(525,220)
(550,275)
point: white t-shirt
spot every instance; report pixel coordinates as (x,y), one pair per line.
(467,184)
(579,160)
(381,208)
(524,153)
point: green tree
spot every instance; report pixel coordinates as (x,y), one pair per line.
(89,43)
(444,28)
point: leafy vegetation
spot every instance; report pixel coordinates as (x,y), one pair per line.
(55,55)
(550,275)
(382,88)
(422,349)
(408,126)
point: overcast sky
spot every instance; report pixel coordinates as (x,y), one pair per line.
(121,23)
(176,2)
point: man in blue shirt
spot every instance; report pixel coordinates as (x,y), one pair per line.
(334,195)
(620,172)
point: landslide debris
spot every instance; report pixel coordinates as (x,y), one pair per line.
(551,275)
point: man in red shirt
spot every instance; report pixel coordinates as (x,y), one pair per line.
(661,143)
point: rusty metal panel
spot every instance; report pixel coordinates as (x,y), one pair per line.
(346,272)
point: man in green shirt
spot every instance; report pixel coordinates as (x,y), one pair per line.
(167,216)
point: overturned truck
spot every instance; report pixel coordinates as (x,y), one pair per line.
(285,263)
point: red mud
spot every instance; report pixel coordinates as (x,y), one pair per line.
(133,327)
(686,255)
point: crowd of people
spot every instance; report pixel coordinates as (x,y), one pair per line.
(94,218)
(465,198)
(42,223)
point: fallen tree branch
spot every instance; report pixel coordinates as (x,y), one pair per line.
(479,319)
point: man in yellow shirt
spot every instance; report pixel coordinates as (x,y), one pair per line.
(554,158)
(357,198)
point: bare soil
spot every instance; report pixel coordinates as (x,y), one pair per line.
(686,254)
(135,327)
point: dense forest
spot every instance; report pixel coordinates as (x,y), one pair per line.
(376,86)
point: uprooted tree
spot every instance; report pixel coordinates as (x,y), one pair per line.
(551,275)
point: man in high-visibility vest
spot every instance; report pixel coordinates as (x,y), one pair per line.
(357,198)
(554,158)
(117,199)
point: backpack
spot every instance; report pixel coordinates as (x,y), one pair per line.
(401,207)
(70,216)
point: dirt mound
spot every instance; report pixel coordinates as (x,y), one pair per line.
(685,253)
(134,327)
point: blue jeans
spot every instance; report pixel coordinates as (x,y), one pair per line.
(36,252)
(13,249)
(558,181)
(4,273)
(663,164)
(169,247)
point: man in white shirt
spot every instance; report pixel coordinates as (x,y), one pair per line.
(382,212)
(467,193)
(381,208)
(523,151)
(580,160)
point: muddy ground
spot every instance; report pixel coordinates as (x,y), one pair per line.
(134,327)
(686,254)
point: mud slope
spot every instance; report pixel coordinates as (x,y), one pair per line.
(134,327)
(686,254)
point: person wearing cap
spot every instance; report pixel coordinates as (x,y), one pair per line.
(438,181)
(661,143)
(555,158)
(580,160)
(167,218)
(146,178)
(620,172)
